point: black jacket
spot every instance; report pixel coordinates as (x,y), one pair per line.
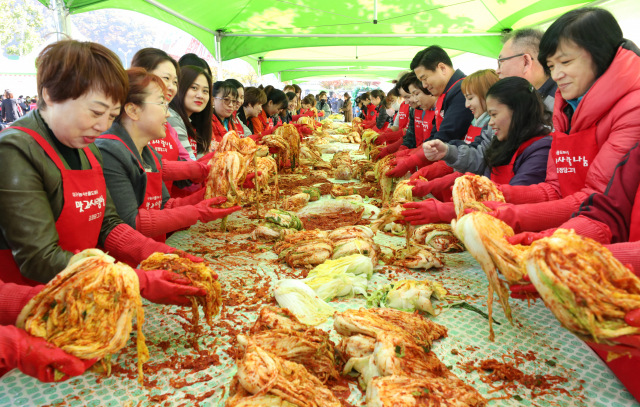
(456,117)
(244,120)
(10,110)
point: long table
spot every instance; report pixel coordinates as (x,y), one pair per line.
(179,375)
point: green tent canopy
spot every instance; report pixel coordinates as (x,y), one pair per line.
(278,35)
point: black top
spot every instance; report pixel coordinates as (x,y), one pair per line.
(70,155)
(456,118)
(244,119)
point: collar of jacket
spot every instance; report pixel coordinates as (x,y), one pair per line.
(548,88)
(481,121)
(458,74)
(118,130)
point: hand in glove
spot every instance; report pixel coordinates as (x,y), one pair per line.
(185,255)
(431,172)
(524,291)
(248,183)
(408,164)
(404,151)
(526,238)
(207,157)
(435,150)
(424,188)
(428,211)
(207,213)
(165,287)
(195,171)
(36,357)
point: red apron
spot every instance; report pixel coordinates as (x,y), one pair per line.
(634,224)
(372,112)
(418,130)
(403,119)
(439,102)
(168,149)
(427,122)
(267,122)
(575,152)
(504,173)
(472,133)
(80,221)
(194,146)
(153,193)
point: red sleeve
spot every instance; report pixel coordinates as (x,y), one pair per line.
(13,298)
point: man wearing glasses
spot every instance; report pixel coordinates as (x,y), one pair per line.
(519,57)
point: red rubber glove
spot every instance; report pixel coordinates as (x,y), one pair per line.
(524,291)
(36,357)
(185,255)
(167,288)
(523,194)
(195,171)
(297,117)
(13,298)
(526,238)
(207,157)
(389,149)
(428,211)
(256,137)
(248,183)
(129,246)
(409,164)
(404,151)
(389,136)
(208,214)
(431,172)
(534,217)
(368,124)
(305,130)
(192,199)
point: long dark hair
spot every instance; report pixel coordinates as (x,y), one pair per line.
(277,97)
(379,93)
(150,58)
(528,118)
(199,127)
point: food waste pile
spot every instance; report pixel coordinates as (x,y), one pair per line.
(321,232)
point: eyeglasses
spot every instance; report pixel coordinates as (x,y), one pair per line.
(164,104)
(500,60)
(227,101)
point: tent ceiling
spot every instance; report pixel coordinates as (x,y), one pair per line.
(380,73)
(257,28)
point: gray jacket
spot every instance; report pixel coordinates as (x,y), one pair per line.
(470,157)
(177,123)
(324,107)
(126,181)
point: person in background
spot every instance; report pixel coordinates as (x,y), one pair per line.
(34,103)
(133,170)
(225,100)
(323,105)
(190,111)
(298,92)
(519,57)
(194,60)
(365,101)
(396,131)
(461,156)
(179,171)
(245,132)
(268,119)
(24,109)
(309,106)
(10,111)
(291,108)
(81,88)
(383,104)
(254,98)
(347,108)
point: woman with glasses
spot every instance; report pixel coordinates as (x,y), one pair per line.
(225,101)
(178,168)
(246,132)
(190,111)
(133,169)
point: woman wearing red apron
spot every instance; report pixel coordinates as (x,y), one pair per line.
(132,168)
(268,119)
(458,155)
(404,122)
(225,100)
(517,155)
(423,122)
(241,128)
(54,200)
(178,166)
(191,110)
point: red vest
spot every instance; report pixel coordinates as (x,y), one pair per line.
(403,118)
(504,173)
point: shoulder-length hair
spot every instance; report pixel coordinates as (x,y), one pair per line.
(528,118)
(199,125)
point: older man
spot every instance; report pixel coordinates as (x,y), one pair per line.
(519,57)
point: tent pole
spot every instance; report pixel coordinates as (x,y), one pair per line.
(364,35)
(63,20)
(260,69)
(375,11)
(219,54)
